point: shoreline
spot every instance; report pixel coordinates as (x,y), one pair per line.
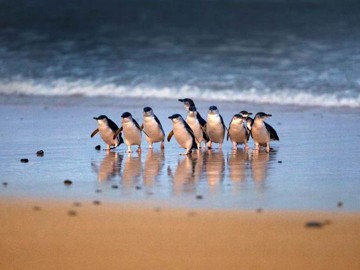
(58,235)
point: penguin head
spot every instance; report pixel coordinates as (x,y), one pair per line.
(192,111)
(237,116)
(245,114)
(262,115)
(176,117)
(213,110)
(101,119)
(187,102)
(126,116)
(148,111)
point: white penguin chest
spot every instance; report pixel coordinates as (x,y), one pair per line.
(131,133)
(182,136)
(152,129)
(106,133)
(260,133)
(215,128)
(195,126)
(237,131)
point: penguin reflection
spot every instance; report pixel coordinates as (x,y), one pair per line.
(237,161)
(215,166)
(259,165)
(184,178)
(132,169)
(109,167)
(153,164)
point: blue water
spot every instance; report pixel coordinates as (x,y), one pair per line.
(301,53)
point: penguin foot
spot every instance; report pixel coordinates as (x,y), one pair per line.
(150,146)
(162,145)
(138,150)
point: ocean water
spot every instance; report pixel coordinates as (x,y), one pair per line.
(275,52)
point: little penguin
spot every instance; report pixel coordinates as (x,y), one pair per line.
(198,130)
(183,133)
(132,131)
(215,127)
(238,131)
(262,133)
(107,129)
(188,102)
(152,128)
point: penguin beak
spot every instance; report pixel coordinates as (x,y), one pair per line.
(170,117)
(181,100)
(96,118)
(250,113)
(268,115)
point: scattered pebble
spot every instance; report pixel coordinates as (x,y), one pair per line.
(192,214)
(96,202)
(138,187)
(340,204)
(77,204)
(327,222)
(98,190)
(149,193)
(259,210)
(5,184)
(40,153)
(314,224)
(199,197)
(67,182)
(24,160)
(98,147)
(72,213)
(36,208)
(279,161)
(157,209)
(115,186)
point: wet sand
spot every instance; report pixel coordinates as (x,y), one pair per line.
(37,234)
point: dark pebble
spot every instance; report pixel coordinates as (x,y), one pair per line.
(199,197)
(314,224)
(340,204)
(72,213)
(138,187)
(5,184)
(191,214)
(36,208)
(67,182)
(98,191)
(279,161)
(327,222)
(115,186)
(77,204)
(24,160)
(40,153)
(157,209)
(259,210)
(96,202)
(98,147)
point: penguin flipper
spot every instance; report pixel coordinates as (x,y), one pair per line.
(117,132)
(94,133)
(171,133)
(201,120)
(271,130)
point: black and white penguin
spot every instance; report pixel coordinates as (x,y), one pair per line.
(215,127)
(152,128)
(238,131)
(107,129)
(183,133)
(198,130)
(132,131)
(190,103)
(262,133)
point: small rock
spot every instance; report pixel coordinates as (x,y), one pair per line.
(192,214)
(98,190)
(98,147)
(138,187)
(259,210)
(340,204)
(77,204)
(5,184)
(67,182)
(40,153)
(72,213)
(36,208)
(199,197)
(314,224)
(279,161)
(115,186)
(24,160)
(157,209)
(96,202)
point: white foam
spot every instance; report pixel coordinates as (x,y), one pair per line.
(96,88)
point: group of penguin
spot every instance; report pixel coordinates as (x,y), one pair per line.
(189,133)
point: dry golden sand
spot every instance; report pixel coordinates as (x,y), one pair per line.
(47,235)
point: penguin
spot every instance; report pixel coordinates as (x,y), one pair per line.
(132,131)
(183,133)
(190,103)
(262,133)
(238,131)
(153,128)
(107,129)
(215,127)
(198,130)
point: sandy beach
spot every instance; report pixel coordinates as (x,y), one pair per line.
(39,234)
(293,208)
